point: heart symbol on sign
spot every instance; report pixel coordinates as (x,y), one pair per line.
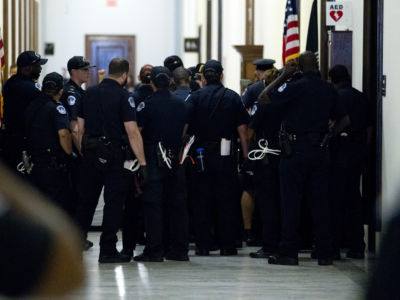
(336,15)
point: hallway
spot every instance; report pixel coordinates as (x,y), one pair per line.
(215,277)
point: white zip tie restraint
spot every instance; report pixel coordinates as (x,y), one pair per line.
(132,165)
(260,153)
(186,150)
(21,168)
(165,158)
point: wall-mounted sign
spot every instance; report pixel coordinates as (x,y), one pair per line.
(339,13)
(49,49)
(192,44)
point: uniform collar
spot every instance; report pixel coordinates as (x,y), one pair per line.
(214,85)
(110,82)
(75,85)
(312,75)
(145,88)
(184,88)
(163,91)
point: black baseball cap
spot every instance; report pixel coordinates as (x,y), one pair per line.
(29,57)
(214,66)
(160,74)
(79,63)
(172,62)
(264,64)
(54,80)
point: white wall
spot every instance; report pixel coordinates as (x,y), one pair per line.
(391,111)
(233,33)
(156,24)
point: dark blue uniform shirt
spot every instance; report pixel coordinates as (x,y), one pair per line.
(71,98)
(105,108)
(44,117)
(142,92)
(227,117)
(182,92)
(266,121)
(163,117)
(250,95)
(18,92)
(356,105)
(309,103)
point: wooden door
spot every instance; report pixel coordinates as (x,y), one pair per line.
(101,49)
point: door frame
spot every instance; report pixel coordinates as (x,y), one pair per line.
(372,86)
(89,38)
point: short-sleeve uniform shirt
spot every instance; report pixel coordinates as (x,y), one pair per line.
(105,108)
(215,112)
(308,103)
(44,117)
(163,117)
(18,93)
(71,98)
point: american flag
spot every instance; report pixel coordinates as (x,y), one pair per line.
(2,61)
(291,39)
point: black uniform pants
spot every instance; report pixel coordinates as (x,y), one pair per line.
(115,188)
(305,173)
(217,188)
(266,183)
(347,218)
(133,219)
(164,195)
(12,150)
(52,182)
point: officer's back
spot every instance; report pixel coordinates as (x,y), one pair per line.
(163,118)
(103,107)
(309,104)
(215,112)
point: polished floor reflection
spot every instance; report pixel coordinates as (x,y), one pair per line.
(215,277)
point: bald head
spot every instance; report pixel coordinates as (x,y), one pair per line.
(308,62)
(181,76)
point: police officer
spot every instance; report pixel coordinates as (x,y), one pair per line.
(217,117)
(264,124)
(144,89)
(164,192)
(107,113)
(181,78)
(18,92)
(348,159)
(308,105)
(133,219)
(79,70)
(253,90)
(49,140)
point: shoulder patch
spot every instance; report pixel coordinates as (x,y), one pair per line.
(253,110)
(71,100)
(38,86)
(282,87)
(131,102)
(188,96)
(61,109)
(140,106)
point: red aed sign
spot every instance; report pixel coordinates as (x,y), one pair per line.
(111,3)
(338,13)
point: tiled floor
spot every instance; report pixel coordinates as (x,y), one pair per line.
(215,277)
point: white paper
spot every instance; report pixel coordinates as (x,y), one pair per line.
(225,147)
